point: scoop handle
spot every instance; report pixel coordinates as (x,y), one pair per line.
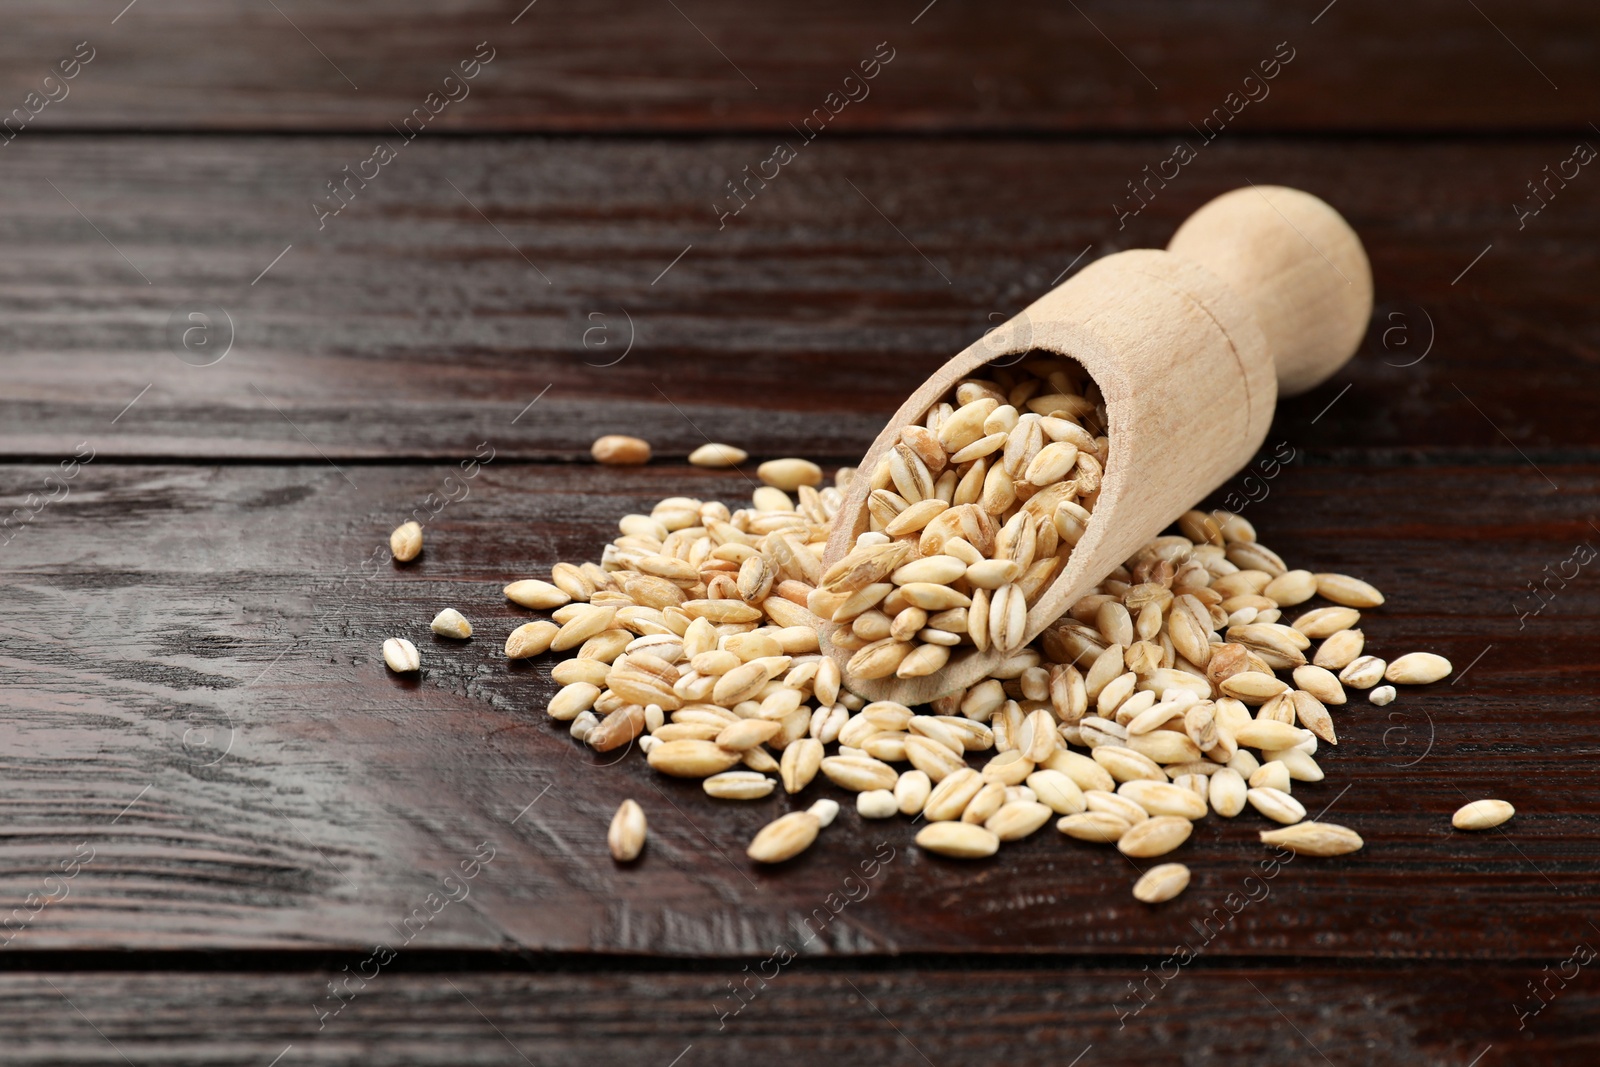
(1297,264)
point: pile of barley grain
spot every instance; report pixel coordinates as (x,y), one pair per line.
(1154,701)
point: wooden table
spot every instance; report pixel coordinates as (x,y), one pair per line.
(230,836)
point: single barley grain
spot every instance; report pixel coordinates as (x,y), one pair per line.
(1273,774)
(691,759)
(1313,716)
(1253,687)
(951,735)
(950,797)
(1348,591)
(1129,811)
(1363,672)
(627,833)
(405,544)
(1482,815)
(583,725)
(532,593)
(876,804)
(1325,622)
(958,840)
(1100,826)
(1314,839)
(987,801)
(451,623)
(1291,588)
(1008,768)
(1017,819)
(1245,762)
(1165,746)
(715,455)
(826,810)
(911,792)
(859,773)
(1227,792)
(1126,765)
(1156,836)
(620,727)
(789,474)
(747,734)
(1276,805)
(1320,682)
(1266,733)
(530,639)
(620,450)
(785,837)
(932,758)
(1095,732)
(1164,798)
(800,763)
(759,760)
(401,655)
(1302,766)
(580,670)
(1417,668)
(1382,696)
(738,785)
(1339,649)
(1084,771)
(1161,883)
(1057,791)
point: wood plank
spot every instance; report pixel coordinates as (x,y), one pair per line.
(1425,1012)
(410,326)
(210,633)
(716,66)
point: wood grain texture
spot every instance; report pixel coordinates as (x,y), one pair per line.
(200,749)
(409,326)
(715,65)
(940,1013)
(210,632)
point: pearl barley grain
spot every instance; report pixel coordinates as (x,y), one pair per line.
(532,593)
(958,840)
(876,804)
(531,639)
(451,623)
(1482,815)
(784,838)
(405,544)
(619,450)
(1314,839)
(694,632)
(715,455)
(1417,668)
(825,811)
(1161,883)
(627,833)
(583,725)
(789,474)
(401,655)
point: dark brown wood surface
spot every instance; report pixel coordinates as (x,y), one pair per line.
(413,326)
(214,633)
(935,1011)
(216,798)
(703,66)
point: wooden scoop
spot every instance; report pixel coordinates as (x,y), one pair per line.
(1263,290)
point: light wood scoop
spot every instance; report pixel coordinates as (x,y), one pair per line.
(1264,290)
